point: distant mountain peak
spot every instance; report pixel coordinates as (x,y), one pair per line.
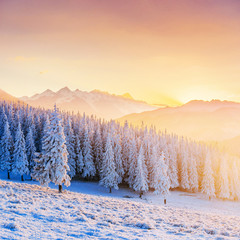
(127,95)
(101,92)
(47,91)
(96,91)
(64,90)
(77,90)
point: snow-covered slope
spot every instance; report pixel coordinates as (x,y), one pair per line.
(29,211)
(201,120)
(4,96)
(99,103)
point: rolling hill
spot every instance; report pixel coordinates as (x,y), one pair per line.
(201,120)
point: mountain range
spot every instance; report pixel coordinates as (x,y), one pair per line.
(201,120)
(101,104)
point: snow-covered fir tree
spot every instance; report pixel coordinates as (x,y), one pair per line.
(184,155)
(20,161)
(3,118)
(109,176)
(29,123)
(30,149)
(172,165)
(140,181)
(117,149)
(235,182)
(10,116)
(15,121)
(97,148)
(193,174)
(52,165)
(147,146)
(132,158)
(6,149)
(208,186)
(79,156)
(126,145)
(160,179)
(70,143)
(89,169)
(223,180)
(39,172)
(39,129)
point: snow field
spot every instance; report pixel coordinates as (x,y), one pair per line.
(28,211)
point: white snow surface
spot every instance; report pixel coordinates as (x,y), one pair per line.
(86,210)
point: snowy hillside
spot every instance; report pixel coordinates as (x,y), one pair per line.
(101,104)
(7,97)
(29,211)
(200,120)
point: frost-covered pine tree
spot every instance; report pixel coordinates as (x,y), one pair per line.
(147,143)
(184,178)
(15,121)
(160,180)
(235,182)
(117,149)
(39,172)
(193,173)
(39,126)
(82,126)
(173,167)
(10,116)
(109,176)
(98,148)
(223,181)
(3,118)
(29,122)
(207,186)
(132,158)
(79,156)
(30,149)
(140,182)
(6,148)
(70,143)
(20,162)
(52,165)
(126,147)
(89,169)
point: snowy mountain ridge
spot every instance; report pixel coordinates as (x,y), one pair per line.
(101,104)
(200,120)
(208,106)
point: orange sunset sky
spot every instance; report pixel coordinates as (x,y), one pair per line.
(160,51)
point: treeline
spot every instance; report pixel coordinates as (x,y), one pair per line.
(57,146)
